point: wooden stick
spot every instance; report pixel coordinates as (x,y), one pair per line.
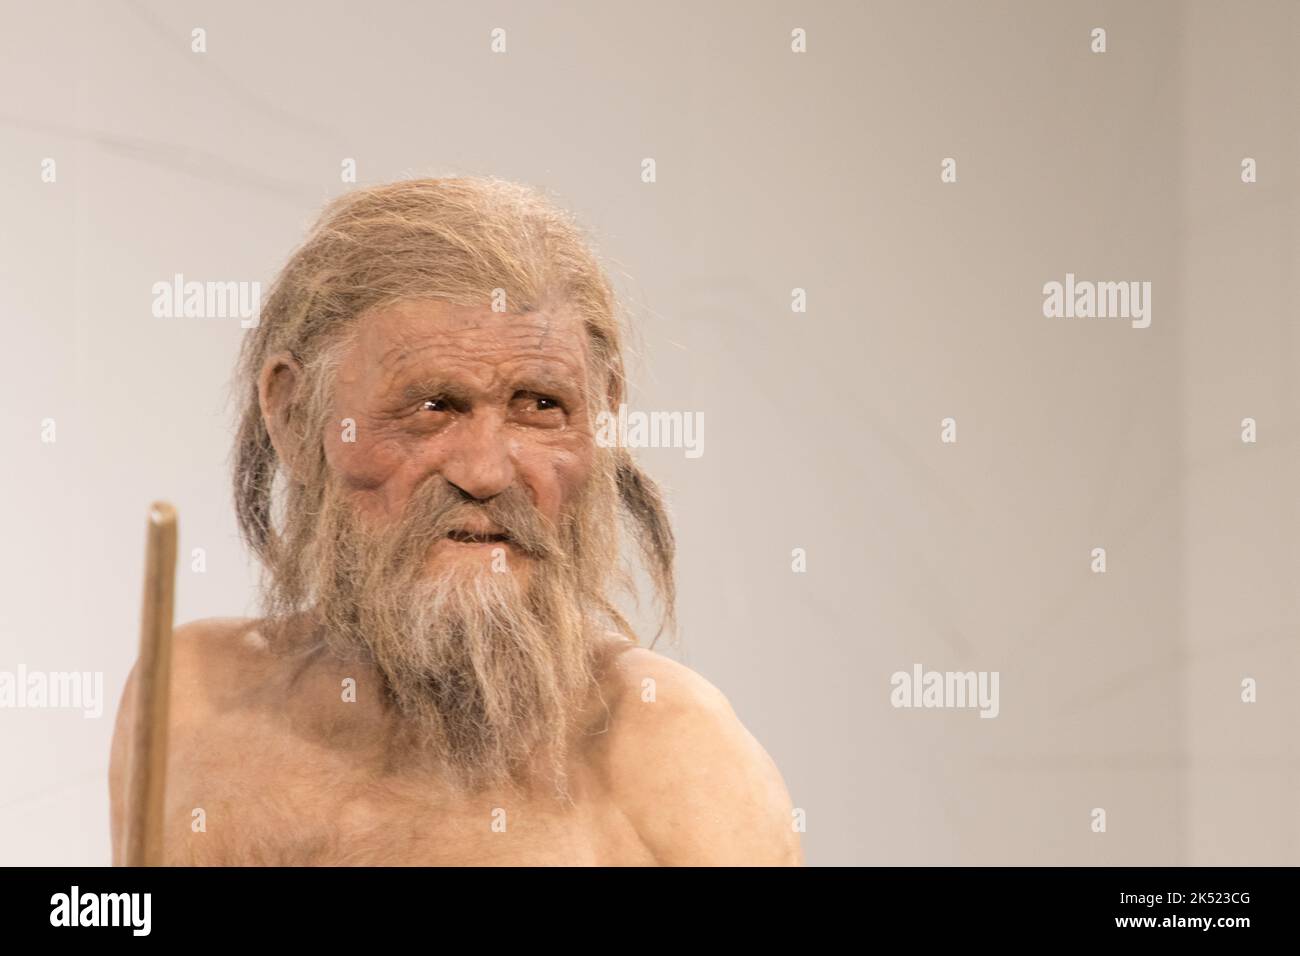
(148,760)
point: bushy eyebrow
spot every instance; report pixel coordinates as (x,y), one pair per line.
(546,381)
(427,387)
(536,380)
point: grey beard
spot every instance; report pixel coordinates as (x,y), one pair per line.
(486,675)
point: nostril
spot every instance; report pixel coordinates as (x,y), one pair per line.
(464,495)
(470,497)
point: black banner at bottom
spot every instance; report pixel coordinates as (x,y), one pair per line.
(1174,904)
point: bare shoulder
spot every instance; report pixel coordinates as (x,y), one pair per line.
(212,655)
(691,779)
(206,657)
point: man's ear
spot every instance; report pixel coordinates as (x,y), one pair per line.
(277,388)
(615,387)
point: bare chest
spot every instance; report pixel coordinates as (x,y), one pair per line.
(255,796)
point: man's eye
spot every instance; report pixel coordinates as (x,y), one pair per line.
(538,410)
(434,405)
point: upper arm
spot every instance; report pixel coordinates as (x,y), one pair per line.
(195,650)
(118,766)
(696,785)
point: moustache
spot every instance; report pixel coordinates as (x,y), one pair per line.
(439,510)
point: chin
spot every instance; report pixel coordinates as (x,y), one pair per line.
(488,558)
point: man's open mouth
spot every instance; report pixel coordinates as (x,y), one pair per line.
(470,537)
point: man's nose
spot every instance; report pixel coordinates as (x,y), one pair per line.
(479,463)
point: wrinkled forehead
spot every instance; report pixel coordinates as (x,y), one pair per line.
(478,347)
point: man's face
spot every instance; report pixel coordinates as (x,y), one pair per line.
(493,404)
(464,527)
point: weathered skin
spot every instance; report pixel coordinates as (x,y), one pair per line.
(286,772)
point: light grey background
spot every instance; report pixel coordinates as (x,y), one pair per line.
(775,171)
